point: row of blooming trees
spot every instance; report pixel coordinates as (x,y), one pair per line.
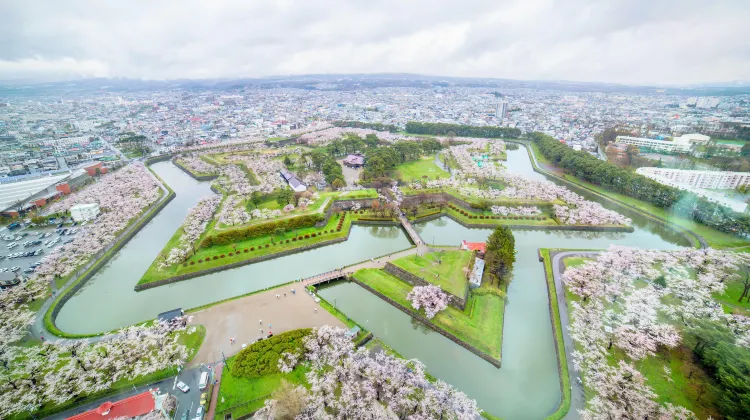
(55,372)
(192,228)
(349,383)
(637,301)
(576,210)
(195,164)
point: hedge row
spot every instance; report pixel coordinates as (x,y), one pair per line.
(263,229)
(259,247)
(262,357)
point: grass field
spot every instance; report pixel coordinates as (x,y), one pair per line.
(242,396)
(480,324)
(548,221)
(414,171)
(685,381)
(446,269)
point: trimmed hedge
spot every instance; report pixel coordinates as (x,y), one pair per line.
(263,229)
(262,357)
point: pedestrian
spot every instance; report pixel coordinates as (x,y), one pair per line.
(284,294)
(260,321)
(316,310)
(261,331)
(269,326)
(42,338)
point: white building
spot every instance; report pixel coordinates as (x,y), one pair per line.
(84,212)
(699,179)
(682,144)
(655,145)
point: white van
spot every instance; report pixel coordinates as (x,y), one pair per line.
(11,245)
(203,383)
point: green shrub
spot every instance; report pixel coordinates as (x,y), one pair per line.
(261,358)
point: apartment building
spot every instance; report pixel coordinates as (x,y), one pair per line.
(698,179)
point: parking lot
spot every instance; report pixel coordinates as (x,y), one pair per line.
(16,258)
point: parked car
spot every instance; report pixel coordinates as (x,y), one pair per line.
(204,398)
(38,252)
(12,245)
(182,386)
(199,412)
(14,269)
(4,269)
(28,270)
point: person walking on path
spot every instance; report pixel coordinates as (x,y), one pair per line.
(260,322)
(316,310)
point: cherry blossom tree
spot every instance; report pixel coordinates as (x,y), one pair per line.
(431,298)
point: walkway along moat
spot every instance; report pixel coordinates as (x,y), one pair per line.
(527,385)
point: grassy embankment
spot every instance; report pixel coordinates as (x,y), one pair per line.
(250,248)
(446,269)
(715,238)
(686,381)
(480,324)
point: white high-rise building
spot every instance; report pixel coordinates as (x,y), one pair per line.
(501,109)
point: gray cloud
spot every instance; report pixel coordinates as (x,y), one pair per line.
(627,41)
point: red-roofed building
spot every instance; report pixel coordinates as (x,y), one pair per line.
(474,246)
(137,405)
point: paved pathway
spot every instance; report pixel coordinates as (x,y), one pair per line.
(215,392)
(577,397)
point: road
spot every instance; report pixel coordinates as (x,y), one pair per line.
(188,401)
(577,397)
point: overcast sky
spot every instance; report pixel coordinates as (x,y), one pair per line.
(626,41)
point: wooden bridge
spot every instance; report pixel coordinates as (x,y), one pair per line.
(410,230)
(325,277)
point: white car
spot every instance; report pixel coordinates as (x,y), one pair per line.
(182,386)
(14,269)
(4,269)
(199,412)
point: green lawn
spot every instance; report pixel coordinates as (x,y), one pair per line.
(480,324)
(728,141)
(242,396)
(447,269)
(414,171)
(729,299)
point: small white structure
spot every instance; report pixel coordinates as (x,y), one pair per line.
(84,212)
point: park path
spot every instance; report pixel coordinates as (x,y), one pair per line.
(215,392)
(577,396)
(242,319)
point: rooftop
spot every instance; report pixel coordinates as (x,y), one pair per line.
(137,405)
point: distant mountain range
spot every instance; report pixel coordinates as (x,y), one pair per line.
(353,82)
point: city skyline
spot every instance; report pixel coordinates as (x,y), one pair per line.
(668,43)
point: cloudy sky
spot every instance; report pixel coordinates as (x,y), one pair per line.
(625,41)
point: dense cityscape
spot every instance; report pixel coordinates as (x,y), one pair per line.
(291,210)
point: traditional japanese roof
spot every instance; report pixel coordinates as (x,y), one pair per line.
(137,405)
(354,160)
(474,246)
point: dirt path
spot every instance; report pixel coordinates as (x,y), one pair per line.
(240,319)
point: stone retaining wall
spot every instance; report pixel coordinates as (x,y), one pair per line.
(186,276)
(455,301)
(491,360)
